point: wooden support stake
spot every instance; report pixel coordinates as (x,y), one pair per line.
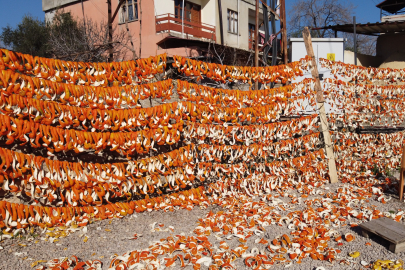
(401,176)
(283,26)
(320,101)
(140,29)
(257,40)
(110,34)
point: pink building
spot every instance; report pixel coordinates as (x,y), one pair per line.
(162,26)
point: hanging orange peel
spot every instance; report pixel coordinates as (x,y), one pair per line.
(246,74)
(205,95)
(127,96)
(366,74)
(97,74)
(58,139)
(69,183)
(353,151)
(20,216)
(86,183)
(64,116)
(81,95)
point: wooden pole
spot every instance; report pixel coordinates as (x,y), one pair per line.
(320,101)
(401,176)
(355,40)
(257,39)
(283,26)
(140,28)
(110,49)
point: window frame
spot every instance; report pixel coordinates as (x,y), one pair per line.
(126,5)
(232,18)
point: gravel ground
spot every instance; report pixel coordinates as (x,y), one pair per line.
(108,237)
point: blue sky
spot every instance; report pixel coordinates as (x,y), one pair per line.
(11,12)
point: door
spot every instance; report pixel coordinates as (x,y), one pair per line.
(196,13)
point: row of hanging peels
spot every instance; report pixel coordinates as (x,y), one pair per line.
(213,146)
(365,74)
(97,74)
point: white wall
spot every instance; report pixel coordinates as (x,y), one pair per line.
(245,16)
(49,15)
(208,8)
(164,6)
(230,39)
(321,46)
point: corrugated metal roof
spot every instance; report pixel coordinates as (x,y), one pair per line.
(391,6)
(369,28)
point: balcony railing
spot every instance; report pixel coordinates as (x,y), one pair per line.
(169,23)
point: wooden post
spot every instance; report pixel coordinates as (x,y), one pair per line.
(401,176)
(283,26)
(257,40)
(320,101)
(110,34)
(140,28)
(355,40)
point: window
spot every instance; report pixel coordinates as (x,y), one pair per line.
(232,21)
(129,11)
(192,12)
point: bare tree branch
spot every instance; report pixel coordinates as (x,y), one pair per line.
(321,13)
(85,41)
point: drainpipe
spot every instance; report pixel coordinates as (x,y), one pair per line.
(182,22)
(220,22)
(237,34)
(84,22)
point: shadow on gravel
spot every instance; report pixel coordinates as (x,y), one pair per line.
(374,239)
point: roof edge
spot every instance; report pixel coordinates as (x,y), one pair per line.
(48,5)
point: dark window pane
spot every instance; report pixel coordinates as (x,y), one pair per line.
(130,12)
(136,11)
(229,20)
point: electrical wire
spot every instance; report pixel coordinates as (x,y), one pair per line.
(98,8)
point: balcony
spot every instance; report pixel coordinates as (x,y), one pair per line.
(168,23)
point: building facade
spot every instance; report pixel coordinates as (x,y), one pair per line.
(159,26)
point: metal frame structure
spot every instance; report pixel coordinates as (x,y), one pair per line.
(391,7)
